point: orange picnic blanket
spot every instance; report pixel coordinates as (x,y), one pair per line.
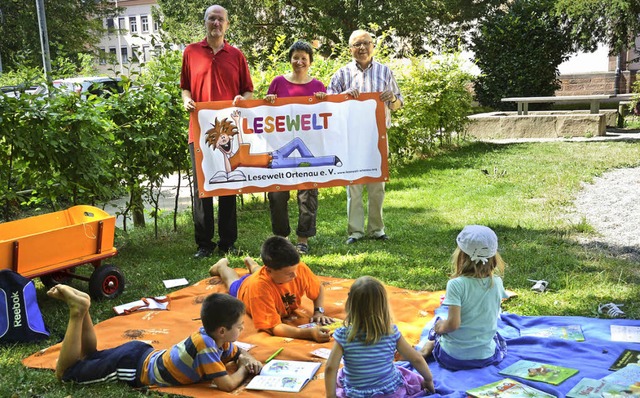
(162,329)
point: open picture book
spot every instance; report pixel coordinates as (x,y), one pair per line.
(624,382)
(568,332)
(537,371)
(591,388)
(507,388)
(627,378)
(332,326)
(280,375)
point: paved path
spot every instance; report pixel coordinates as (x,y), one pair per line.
(166,201)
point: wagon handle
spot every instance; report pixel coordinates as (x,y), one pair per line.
(15,256)
(100,228)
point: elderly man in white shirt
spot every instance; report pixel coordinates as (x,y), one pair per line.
(364,75)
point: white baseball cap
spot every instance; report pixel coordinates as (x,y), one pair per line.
(479,242)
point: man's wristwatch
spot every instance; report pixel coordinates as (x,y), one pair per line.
(319,309)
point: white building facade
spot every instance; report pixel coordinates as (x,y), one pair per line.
(132,36)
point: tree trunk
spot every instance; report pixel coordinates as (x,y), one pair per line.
(137,206)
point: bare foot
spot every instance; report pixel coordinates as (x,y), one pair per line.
(427,349)
(214,270)
(78,302)
(252,266)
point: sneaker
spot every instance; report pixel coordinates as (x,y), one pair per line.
(202,253)
(539,286)
(612,310)
(302,248)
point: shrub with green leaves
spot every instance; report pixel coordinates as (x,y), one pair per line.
(150,133)
(436,104)
(56,150)
(519,48)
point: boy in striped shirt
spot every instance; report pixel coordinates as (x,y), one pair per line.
(201,356)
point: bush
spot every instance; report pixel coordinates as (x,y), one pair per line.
(62,148)
(56,150)
(436,104)
(519,50)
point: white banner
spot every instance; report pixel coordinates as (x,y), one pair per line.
(296,143)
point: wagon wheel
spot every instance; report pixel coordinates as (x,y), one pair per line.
(60,277)
(106,281)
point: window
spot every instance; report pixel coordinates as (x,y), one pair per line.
(125,55)
(112,56)
(133,25)
(122,24)
(135,50)
(145,53)
(144,21)
(102,56)
(110,25)
(156,25)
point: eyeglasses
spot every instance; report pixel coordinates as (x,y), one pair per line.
(361,44)
(213,19)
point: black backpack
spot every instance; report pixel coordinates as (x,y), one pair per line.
(20,316)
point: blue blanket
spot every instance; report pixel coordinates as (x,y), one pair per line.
(591,357)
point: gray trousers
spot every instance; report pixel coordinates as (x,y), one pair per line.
(307,212)
(355,210)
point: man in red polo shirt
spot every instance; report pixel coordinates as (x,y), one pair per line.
(213,70)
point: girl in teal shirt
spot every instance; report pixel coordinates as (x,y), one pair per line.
(468,338)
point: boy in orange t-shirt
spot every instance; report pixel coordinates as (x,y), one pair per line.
(275,291)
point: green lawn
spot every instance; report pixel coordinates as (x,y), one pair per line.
(524,196)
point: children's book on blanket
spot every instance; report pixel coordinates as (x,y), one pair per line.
(507,388)
(628,356)
(621,383)
(569,332)
(280,375)
(537,371)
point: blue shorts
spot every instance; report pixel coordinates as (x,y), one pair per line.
(235,285)
(122,363)
(447,361)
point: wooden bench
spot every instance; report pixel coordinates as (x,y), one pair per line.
(593,100)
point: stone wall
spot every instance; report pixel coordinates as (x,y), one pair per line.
(544,124)
(596,83)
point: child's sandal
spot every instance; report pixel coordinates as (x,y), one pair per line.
(611,310)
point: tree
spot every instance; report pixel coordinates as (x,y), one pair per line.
(255,25)
(613,22)
(72,26)
(518,49)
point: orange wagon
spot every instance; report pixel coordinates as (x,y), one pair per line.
(51,245)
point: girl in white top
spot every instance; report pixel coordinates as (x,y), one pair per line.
(468,338)
(368,343)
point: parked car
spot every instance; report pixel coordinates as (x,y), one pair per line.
(97,85)
(16,91)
